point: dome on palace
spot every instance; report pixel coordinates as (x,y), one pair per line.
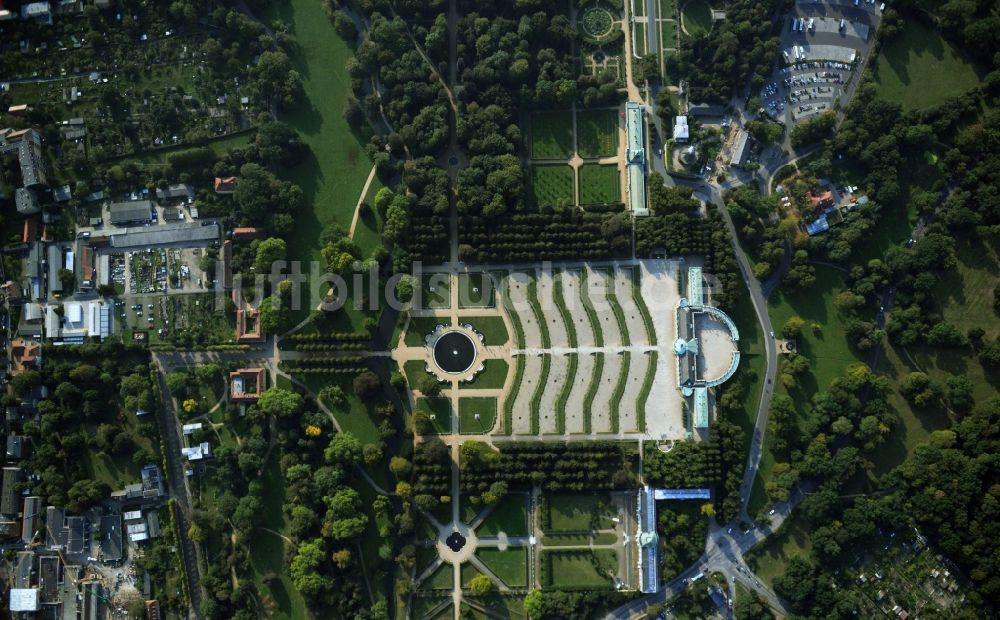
(680,347)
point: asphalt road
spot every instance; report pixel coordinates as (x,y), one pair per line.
(175,471)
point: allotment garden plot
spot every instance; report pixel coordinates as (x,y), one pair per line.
(592,350)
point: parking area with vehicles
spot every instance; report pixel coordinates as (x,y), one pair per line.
(823,45)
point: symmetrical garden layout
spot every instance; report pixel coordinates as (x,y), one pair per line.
(573,350)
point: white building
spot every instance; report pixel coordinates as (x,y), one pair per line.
(635,157)
(681,130)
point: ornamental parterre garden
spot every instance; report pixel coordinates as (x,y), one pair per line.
(498,310)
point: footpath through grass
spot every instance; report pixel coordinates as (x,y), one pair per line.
(334,173)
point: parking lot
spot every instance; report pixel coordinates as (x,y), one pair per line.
(822,45)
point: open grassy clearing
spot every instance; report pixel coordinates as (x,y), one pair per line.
(468,572)
(827,349)
(438,409)
(578,569)
(492,328)
(267,554)
(435,290)
(578,512)
(599,184)
(419,327)
(468,408)
(441,579)
(511,565)
(334,172)
(668,34)
(552,185)
(510,516)
(596,133)
(770,559)
(552,135)
(493,376)
(475,290)
(414,370)
(918,68)
(639,36)
(915,425)
(697,17)
(578,540)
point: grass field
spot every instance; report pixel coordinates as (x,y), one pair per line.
(918,68)
(475,290)
(668,35)
(334,171)
(486,407)
(769,560)
(491,327)
(574,513)
(639,34)
(828,352)
(697,17)
(510,516)
(579,569)
(419,327)
(435,289)
(267,552)
(491,378)
(333,175)
(552,135)
(599,184)
(439,410)
(511,565)
(596,133)
(552,185)
(441,579)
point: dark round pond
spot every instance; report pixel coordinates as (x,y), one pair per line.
(454,352)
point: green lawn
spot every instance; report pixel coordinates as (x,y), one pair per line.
(355,416)
(414,370)
(475,290)
(639,32)
(510,516)
(577,540)
(468,572)
(769,559)
(597,133)
(436,290)
(918,68)
(915,425)
(552,135)
(511,565)
(828,350)
(486,407)
(697,17)
(439,410)
(333,174)
(552,185)
(579,569)
(599,184)
(492,328)
(267,557)
(441,579)
(668,37)
(419,327)
(574,513)
(967,300)
(492,377)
